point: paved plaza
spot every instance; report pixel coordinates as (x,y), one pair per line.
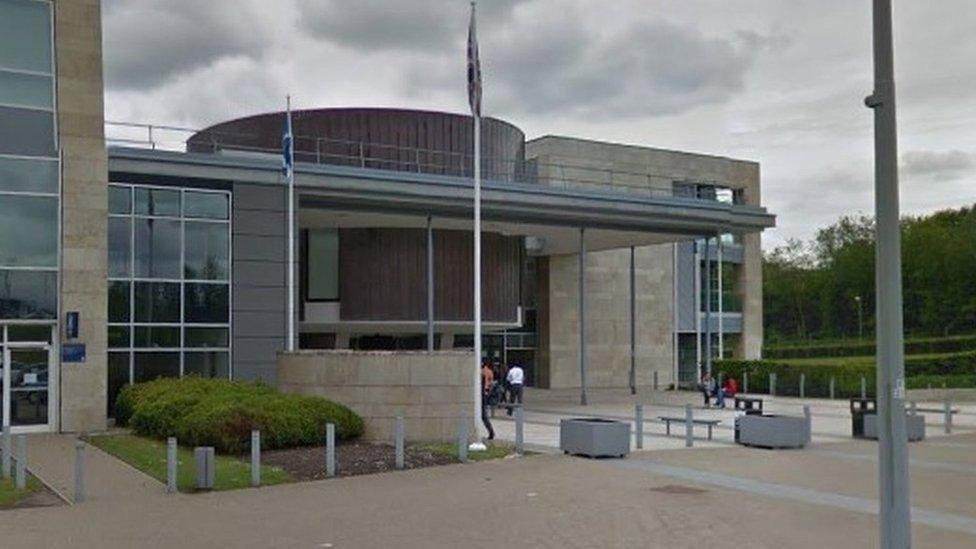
(664,496)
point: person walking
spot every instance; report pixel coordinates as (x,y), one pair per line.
(707,388)
(487,384)
(515,378)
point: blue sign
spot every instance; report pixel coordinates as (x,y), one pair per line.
(73,352)
(71,322)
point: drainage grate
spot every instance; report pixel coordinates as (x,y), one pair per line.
(677,489)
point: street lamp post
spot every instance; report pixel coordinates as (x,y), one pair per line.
(895,510)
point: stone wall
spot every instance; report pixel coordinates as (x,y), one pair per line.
(84,244)
(608,320)
(429,390)
(584,164)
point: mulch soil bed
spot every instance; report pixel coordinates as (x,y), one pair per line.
(353,458)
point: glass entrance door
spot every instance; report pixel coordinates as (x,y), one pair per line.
(25,397)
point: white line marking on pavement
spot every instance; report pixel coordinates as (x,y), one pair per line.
(936,519)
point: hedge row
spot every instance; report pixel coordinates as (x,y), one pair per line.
(847,378)
(221,413)
(953,371)
(918,346)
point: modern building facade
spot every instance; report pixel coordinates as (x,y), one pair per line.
(129,259)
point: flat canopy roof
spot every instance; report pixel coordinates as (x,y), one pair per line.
(344,196)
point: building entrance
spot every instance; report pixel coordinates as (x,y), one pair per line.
(26,396)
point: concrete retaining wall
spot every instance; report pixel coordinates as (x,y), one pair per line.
(429,390)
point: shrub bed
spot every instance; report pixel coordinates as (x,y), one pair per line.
(221,413)
(914,346)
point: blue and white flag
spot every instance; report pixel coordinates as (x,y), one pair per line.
(474,68)
(287,148)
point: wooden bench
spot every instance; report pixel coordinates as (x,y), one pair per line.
(707,422)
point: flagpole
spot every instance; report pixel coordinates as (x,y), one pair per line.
(474,98)
(291,232)
(477,269)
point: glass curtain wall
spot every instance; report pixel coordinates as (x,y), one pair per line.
(29,167)
(169,284)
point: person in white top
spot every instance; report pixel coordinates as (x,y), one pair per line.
(515,378)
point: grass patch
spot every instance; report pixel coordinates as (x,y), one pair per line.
(149,456)
(10,495)
(450,449)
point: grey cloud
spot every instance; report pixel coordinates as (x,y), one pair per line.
(648,69)
(149,42)
(415,25)
(938,165)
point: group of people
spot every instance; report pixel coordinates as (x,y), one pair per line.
(499,384)
(710,389)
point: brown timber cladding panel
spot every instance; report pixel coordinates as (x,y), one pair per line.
(383,275)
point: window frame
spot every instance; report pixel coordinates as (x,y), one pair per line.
(181,280)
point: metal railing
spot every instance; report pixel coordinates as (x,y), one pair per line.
(384,156)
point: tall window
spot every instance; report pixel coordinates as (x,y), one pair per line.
(322,264)
(29,169)
(169,284)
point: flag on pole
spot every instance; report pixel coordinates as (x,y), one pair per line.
(474,68)
(287,148)
(288,168)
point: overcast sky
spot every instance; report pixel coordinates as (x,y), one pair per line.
(781,82)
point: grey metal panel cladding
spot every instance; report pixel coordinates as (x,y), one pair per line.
(259,279)
(259,222)
(259,324)
(258,349)
(259,273)
(255,299)
(686,286)
(248,247)
(259,197)
(254,371)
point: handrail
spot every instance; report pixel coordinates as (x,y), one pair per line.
(387,156)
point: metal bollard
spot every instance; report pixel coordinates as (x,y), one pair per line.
(689,427)
(655,380)
(803,382)
(205,467)
(519,429)
(462,441)
(398,441)
(171,465)
(255,457)
(864,388)
(809,416)
(831,387)
(330,463)
(21,469)
(772,384)
(7,449)
(745,381)
(948,417)
(639,425)
(79,471)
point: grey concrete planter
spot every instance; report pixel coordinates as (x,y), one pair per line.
(914,427)
(594,437)
(771,431)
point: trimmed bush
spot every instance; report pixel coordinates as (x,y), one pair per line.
(221,413)
(956,370)
(847,377)
(915,346)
